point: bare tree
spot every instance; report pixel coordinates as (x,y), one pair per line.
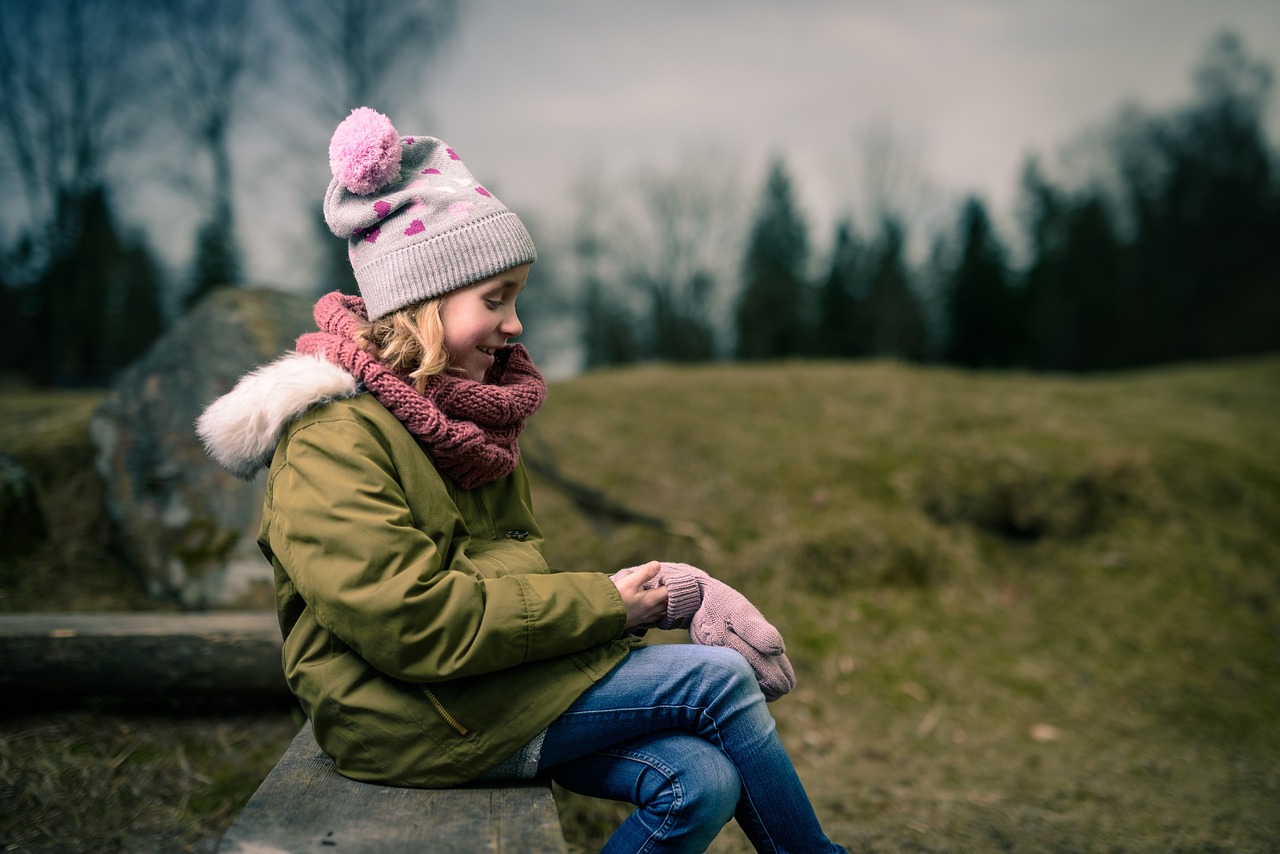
(356,51)
(71,72)
(607,311)
(210,48)
(892,179)
(677,244)
(897,195)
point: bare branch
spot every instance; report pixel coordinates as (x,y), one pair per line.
(362,52)
(679,236)
(70,78)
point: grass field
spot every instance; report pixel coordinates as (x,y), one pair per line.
(1027,613)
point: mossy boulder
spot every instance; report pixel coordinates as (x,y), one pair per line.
(187,526)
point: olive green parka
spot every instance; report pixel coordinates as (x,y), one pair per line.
(424,634)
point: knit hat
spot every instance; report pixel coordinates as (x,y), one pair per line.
(417,222)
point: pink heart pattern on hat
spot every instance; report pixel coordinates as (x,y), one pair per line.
(416,189)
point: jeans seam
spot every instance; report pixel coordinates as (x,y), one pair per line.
(719,743)
(672,777)
(615,710)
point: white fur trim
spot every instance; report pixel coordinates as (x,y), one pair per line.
(240,429)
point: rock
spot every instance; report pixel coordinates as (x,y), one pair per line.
(187,526)
(22,523)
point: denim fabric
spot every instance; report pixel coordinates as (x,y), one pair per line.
(683,732)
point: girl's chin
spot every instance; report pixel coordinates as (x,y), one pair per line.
(474,368)
(479,366)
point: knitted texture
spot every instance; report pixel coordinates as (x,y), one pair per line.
(364,153)
(416,221)
(471,428)
(717,615)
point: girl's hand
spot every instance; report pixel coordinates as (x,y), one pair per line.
(644,607)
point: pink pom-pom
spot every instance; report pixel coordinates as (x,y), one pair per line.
(364,153)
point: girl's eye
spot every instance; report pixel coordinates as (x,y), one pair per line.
(494,304)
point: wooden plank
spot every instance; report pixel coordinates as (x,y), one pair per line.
(305,805)
(169,655)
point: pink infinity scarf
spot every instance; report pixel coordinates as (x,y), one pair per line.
(470,428)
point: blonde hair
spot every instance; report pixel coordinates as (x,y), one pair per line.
(410,340)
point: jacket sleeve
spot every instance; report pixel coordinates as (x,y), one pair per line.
(389,574)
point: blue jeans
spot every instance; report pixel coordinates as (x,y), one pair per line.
(682,732)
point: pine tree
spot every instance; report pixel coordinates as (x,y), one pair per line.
(217,260)
(608,332)
(840,326)
(680,332)
(1200,188)
(135,316)
(983,321)
(772,310)
(1079,309)
(895,318)
(99,300)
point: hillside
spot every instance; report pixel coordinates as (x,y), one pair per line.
(1027,613)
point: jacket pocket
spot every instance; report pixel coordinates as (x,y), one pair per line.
(443,712)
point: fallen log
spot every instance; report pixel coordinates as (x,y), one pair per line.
(176,658)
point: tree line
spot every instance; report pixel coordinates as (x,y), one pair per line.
(1166,248)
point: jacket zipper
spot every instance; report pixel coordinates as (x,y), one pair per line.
(440,710)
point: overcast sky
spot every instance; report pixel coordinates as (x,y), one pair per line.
(532,93)
(535,93)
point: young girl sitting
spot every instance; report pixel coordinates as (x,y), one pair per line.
(425,637)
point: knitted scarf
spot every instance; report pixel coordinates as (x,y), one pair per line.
(469,427)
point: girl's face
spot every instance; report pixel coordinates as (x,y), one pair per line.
(479,319)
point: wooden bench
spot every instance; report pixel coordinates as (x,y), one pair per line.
(305,805)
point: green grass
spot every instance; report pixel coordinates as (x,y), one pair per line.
(1027,613)
(74,567)
(113,782)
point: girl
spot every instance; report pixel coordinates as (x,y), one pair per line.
(424,635)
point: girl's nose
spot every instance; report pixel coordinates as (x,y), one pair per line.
(511,327)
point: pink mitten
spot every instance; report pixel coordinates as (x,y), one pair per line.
(717,615)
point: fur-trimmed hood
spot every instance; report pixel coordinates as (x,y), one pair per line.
(240,429)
